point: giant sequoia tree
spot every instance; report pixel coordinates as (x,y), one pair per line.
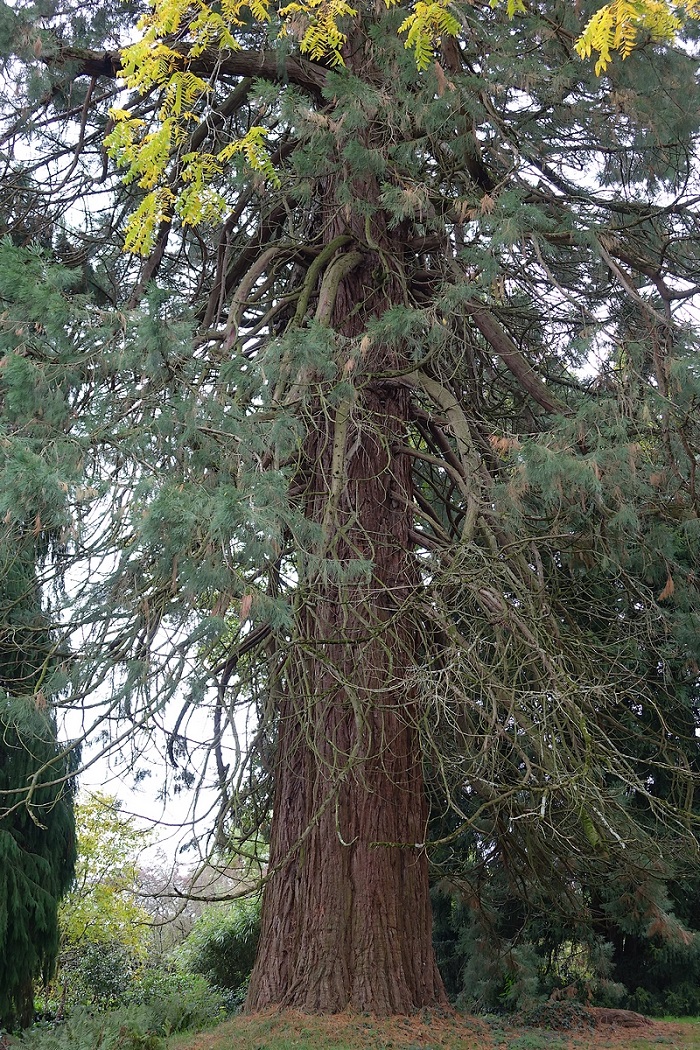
(391,437)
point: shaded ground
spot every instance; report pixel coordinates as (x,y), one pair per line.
(288,1030)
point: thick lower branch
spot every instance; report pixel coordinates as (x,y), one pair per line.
(265,64)
(514,361)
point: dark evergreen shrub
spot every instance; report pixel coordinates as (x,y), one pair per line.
(223,943)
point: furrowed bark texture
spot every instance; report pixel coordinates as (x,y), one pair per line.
(346,918)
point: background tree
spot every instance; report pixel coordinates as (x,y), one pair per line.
(37,851)
(37,837)
(104,926)
(406,387)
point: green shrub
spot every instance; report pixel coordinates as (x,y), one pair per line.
(99,974)
(681,1001)
(178,1001)
(128,1028)
(643,1002)
(222,944)
(157,1005)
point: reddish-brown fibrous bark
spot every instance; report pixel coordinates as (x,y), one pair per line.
(346,916)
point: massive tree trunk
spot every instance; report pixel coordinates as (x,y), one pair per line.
(346,916)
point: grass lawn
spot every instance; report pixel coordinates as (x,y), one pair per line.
(287,1030)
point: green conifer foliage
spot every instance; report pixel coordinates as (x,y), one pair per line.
(396,443)
(37,853)
(37,834)
(37,827)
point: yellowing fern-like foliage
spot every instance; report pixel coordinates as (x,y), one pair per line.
(317,25)
(513,7)
(143,224)
(153,63)
(617,26)
(424,27)
(145,155)
(253,148)
(154,159)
